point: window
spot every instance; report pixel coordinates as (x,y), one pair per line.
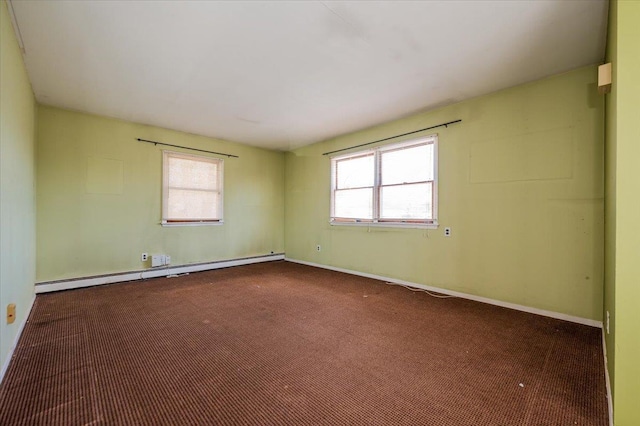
(191,189)
(393,185)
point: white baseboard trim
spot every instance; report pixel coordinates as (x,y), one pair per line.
(5,366)
(606,377)
(49,286)
(557,315)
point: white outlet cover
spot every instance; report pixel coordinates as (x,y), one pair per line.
(157,260)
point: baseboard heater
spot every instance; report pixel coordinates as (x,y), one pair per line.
(72,283)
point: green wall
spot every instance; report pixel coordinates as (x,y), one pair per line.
(99,198)
(623,211)
(521,186)
(610,196)
(17,185)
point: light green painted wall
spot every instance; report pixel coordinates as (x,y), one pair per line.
(17,185)
(527,228)
(627,213)
(99,198)
(610,195)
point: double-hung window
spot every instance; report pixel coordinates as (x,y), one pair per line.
(392,185)
(191,189)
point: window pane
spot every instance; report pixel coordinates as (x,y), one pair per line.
(190,204)
(354,172)
(413,164)
(354,203)
(406,202)
(185,173)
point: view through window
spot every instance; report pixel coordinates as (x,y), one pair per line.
(393,184)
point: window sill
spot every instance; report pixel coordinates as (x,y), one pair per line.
(172,224)
(433,225)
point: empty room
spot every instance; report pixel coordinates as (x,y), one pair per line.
(320,212)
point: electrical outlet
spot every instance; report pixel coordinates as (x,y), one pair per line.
(144,257)
(167,259)
(11,313)
(447,232)
(318,248)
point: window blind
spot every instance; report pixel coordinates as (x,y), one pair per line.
(192,188)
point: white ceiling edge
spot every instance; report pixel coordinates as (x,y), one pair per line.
(351,66)
(329,138)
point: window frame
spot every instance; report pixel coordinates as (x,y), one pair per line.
(165,221)
(377,152)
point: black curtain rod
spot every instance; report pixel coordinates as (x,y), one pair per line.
(186,147)
(393,137)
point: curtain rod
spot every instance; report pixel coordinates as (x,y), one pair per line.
(393,137)
(186,147)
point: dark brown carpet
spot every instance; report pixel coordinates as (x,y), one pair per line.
(281,343)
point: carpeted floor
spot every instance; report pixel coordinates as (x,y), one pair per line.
(281,343)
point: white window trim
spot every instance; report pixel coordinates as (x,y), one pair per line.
(201,223)
(431,224)
(173,223)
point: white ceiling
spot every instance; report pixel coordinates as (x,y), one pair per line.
(285,74)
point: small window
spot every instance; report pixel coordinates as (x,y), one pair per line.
(393,185)
(191,189)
